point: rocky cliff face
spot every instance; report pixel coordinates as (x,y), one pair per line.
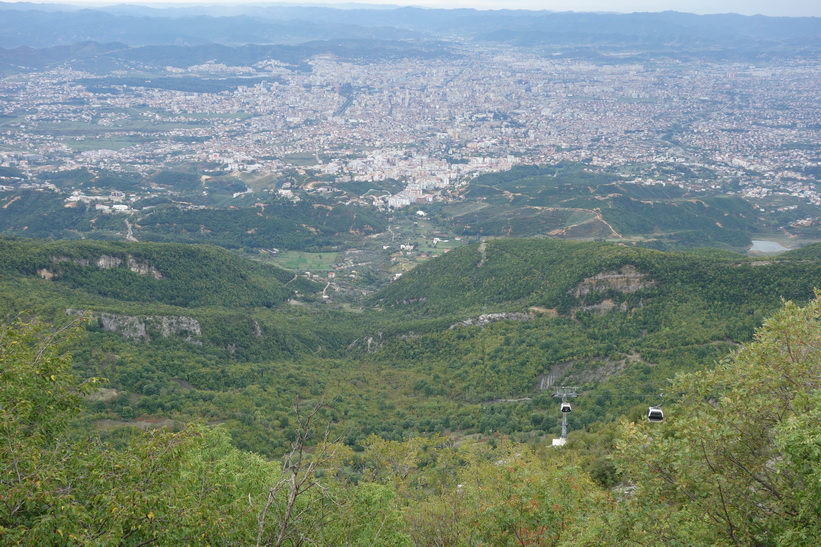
(488,318)
(145,327)
(46,274)
(143,268)
(104,262)
(625,280)
(128,326)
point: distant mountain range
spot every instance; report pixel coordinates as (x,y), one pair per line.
(102,58)
(37,25)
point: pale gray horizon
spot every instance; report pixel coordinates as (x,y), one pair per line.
(785,8)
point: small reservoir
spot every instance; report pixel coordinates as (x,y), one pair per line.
(764,246)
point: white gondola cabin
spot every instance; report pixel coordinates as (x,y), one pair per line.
(654,414)
(566,407)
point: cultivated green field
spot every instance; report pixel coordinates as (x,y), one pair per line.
(305,262)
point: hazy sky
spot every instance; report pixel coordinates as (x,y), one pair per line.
(746,7)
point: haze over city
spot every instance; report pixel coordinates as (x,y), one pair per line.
(790,8)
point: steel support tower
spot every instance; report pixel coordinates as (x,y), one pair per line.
(565,393)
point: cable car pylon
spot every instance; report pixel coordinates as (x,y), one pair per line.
(564,393)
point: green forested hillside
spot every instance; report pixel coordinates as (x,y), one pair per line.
(306,225)
(616,321)
(42,214)
(189,332)
(583,201)
(293,226)
(515,274)
(173,274)
(734,462)
(808,252)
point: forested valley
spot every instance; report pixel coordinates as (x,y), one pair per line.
(182,394)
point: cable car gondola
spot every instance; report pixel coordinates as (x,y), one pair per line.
(654,414)
(566,407)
